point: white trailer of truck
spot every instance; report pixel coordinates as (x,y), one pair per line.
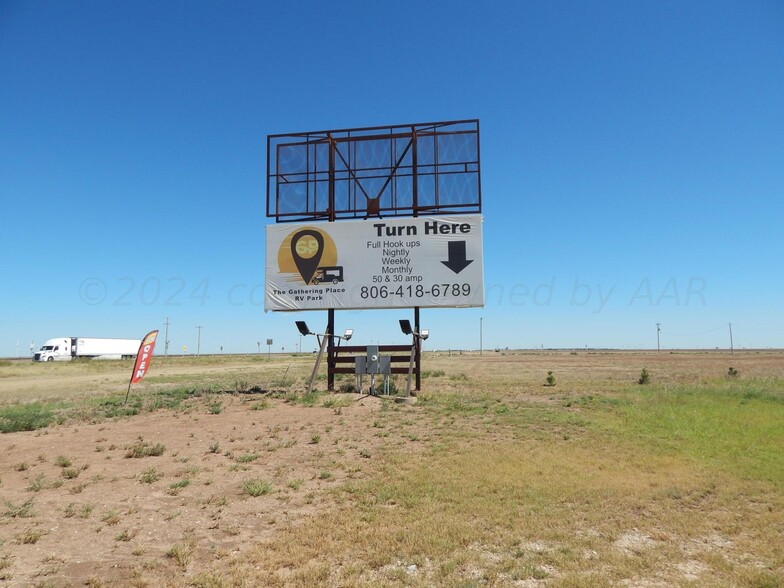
(68,348)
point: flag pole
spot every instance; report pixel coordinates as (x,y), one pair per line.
(129,390)
(142,363)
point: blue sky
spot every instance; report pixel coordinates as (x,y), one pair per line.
(632,163)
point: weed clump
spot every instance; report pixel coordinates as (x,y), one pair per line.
(19,511)
(732,372)
(150,475)
(144,449)
(256,487)
(550,379)
(645,377)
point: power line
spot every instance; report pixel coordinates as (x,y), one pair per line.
(722,326)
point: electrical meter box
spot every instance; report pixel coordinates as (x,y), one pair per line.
(372,362)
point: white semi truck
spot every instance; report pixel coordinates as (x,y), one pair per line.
(68,348)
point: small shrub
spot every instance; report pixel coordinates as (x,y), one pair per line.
(215,407)
(70,473)
(260,405)
(175,487)
(38,484)
(62,461)
(19,511)
(247,457)
(314,439)
(550,380)
(256,487)
(150,475)
(181,554)
(144,449)
(111,518)
(732,372)
(29,537)
(215,447)
(348,387)
(126,535)
(645,377)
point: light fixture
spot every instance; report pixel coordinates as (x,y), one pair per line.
(405,326)
(303,328)
(348,334)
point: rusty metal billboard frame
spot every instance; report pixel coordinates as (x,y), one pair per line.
(374,172)
(370,172)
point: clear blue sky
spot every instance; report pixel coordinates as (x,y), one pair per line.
(633,163)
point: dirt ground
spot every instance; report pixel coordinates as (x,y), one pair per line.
(101,518)
(77,509)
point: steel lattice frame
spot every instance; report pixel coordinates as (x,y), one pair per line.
(398,170)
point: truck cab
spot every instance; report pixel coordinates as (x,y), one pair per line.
(59,349)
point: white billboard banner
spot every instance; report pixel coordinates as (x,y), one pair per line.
(377,263)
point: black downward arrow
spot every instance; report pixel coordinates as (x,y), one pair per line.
(457,261)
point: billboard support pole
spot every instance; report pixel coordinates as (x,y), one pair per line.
(418,347)
(331,311)
(330,350)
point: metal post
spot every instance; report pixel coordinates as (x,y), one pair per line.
(658,329)
(411,360)
(198,341)
(481,318)
(418,348)
(330,350)
(331,311)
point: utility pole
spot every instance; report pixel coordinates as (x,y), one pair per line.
(166,338)
(658,330)
(732,349)
(481,318)
(198,341)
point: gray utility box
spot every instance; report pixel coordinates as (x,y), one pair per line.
(373,362)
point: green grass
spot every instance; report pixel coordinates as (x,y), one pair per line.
(38,415)
(538,484)
(735,426)
(26,417)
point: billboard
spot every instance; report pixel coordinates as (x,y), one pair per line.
(431,261)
